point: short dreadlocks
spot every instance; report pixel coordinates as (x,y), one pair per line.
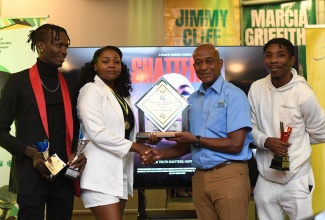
(42,33)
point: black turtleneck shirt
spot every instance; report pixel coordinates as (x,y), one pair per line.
(54,109)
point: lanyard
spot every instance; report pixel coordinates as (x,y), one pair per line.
(124,107)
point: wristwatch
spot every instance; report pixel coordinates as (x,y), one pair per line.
(197,142)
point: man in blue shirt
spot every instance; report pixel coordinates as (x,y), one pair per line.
(218,137)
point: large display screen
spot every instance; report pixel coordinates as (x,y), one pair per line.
(242,65)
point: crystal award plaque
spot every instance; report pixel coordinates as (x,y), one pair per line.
(162,105)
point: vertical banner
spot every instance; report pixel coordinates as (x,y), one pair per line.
(315,60)
(190,23)
(15,55)
(261,23)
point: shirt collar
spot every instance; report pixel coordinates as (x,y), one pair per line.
(216,86)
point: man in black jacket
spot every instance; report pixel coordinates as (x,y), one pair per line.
(41,101)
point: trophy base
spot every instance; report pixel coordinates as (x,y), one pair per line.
(72,173)
(52,177)
(145,135)
(280,163)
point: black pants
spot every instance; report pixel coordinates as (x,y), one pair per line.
(58,195)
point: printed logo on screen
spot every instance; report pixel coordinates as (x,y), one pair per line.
(1,163)
(9,163)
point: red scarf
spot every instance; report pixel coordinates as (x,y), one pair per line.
(39,95)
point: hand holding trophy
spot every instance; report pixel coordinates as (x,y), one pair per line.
(71,171)
(280,162)
(57,164)
(43,148)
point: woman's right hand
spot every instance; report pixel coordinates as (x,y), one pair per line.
(150,156)
(152,139)
(145,153)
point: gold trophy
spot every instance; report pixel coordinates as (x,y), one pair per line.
(280,162)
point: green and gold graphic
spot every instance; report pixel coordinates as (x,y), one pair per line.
(15,55)
(261,23)
(7,202)
(18,23)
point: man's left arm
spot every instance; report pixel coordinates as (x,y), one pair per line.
(314,118)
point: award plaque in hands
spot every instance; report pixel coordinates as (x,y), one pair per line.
(162,105)
(57,164)
(72,172)
(280,162)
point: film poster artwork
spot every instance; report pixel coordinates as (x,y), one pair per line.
(176,67)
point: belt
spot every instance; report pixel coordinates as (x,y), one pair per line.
(223,165)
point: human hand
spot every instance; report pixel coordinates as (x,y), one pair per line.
(277,146)
(39,162)
(183,137)
(152,139)
(148,159)
(143,152)
(146,156)
(150,156)
(79,163)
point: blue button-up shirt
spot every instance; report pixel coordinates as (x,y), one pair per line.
(215,112)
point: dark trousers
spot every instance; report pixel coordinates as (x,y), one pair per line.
(58,195)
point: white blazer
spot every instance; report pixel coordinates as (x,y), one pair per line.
(102,122)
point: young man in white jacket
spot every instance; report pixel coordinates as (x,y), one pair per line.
(284,97)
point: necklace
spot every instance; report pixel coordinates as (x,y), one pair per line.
(49,89)
(124,106)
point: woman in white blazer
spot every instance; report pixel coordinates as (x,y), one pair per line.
(108,122)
